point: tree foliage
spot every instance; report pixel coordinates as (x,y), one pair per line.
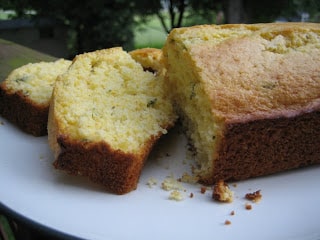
(97,24)
(177,13)
(295,8)
(92,25)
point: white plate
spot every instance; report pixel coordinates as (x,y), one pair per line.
(29,185)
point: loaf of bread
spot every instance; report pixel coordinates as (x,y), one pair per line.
(106,113)
(25,95)
(248,96)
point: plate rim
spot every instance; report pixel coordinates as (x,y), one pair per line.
(34,225)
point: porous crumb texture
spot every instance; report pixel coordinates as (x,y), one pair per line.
(26,92)
(254,196)
(106,96)
(36,80)
(107,106)
(221,192)
(248,96)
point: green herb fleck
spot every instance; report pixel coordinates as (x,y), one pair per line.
(269,85)
(152,102)
(26,93)
(193,93)
(21,79)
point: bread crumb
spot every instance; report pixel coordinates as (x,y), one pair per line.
(191,195)
(248,206)
(203,190)
(187,178)
(152,182)
(227,222)
(222,193)
(176,195)
(255,196)
(170,183)
(232,213)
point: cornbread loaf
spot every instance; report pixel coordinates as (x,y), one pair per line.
(26,93)
(105,115)
(248,96)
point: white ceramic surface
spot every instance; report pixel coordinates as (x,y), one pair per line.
(289,209)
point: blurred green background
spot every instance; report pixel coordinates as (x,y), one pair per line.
(97,24)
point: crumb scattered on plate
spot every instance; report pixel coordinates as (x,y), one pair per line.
(203,189)
(248,206)
(152,182)
(227,222)
(176,195)
(187,178)
(254,196)
(170,183)
(222,193)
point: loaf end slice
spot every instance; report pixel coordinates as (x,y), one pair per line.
(25,95)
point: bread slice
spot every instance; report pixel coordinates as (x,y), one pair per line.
(151,59)
(25,95)
(105,115)
(248,95)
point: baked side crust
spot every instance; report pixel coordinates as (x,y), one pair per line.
(117,171)
(267,146)
(24,113)
(100,160)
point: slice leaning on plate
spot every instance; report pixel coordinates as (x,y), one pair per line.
(106,113)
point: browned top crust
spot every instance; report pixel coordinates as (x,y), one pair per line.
(270,72)
(249,96)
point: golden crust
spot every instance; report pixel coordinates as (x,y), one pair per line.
(249,96)
(149,58)
(253,73)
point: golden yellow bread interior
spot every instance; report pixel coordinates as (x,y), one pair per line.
(36,80)
(106,96)
(226,74)
(106,113)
